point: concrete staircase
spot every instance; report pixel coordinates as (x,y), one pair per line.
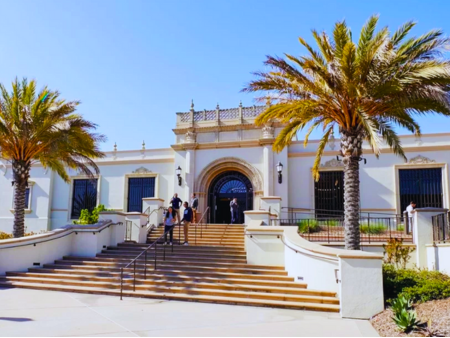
(215,270)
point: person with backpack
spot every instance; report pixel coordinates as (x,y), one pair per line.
(187,219)
(170,219)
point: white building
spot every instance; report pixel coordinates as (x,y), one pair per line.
(222,154)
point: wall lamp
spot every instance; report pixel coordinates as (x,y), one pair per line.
(280,169)
(178,171)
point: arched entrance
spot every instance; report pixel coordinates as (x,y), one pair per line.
(223,188)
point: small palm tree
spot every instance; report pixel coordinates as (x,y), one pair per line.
(41,127)
(364,89)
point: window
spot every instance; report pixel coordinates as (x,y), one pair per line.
(139,188)
(84,196)
(424,186)
(28,196)
(329,194)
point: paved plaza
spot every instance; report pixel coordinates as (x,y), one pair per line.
(45,313)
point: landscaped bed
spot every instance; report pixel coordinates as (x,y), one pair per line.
(438,311)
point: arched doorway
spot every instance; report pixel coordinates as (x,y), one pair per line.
(223,188)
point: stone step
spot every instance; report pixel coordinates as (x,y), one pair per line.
(181,290)
(174,257)
(211,263)
(169,266)
(188,248)
(231,285)
(177,296)
(162,276)
(176,272)
(169,253)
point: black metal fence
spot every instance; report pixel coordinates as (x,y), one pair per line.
(372,229)
(441,228)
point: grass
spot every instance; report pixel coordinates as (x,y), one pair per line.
(375,229)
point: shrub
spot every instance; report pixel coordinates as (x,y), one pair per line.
(415,284)
(90,218)
(375,229)
(308,226)
(396,253)
(4,235)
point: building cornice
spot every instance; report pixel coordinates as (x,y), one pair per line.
(370,151)
(221,127)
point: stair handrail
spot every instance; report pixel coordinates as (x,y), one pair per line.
(200,222)
(151,212)
(144,252)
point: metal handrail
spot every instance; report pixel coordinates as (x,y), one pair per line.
(151,212)
(144,252)
(201,225)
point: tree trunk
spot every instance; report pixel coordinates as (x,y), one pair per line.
(351,147)
(21,171)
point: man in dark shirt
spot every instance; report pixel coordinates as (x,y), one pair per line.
(176,204)
(194,206)
(187,219)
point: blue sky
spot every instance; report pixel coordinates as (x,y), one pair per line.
(134,63)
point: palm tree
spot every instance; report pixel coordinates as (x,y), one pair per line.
(363,89)
(41,127)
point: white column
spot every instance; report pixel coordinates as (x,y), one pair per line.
(268,170)
(190,173)
(423,232)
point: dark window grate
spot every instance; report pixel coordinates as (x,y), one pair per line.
(329,194)
(423,186)
(84,196)
(139,188)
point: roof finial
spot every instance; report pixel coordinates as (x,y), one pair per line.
(143,145)
(268,101)
(240,103)
(217,107)
(192,104)
(115,146)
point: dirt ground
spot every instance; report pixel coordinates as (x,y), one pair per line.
(438,311)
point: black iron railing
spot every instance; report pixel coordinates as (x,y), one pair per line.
(372,229)
(144,255)
(441,228)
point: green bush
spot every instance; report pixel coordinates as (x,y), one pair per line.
(306,226)
(90,218)
(415,284)
(375,229)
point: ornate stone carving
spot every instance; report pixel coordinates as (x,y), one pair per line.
(333,163)
(115,151)
(419,159)
(268,131)
(190,137)
(141,170)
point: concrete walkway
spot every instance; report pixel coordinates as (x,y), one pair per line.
(47,313)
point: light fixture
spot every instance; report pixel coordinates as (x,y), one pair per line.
(280,169)
(178,171)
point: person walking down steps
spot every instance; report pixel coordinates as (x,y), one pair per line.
(234,208)
(170,219)
(187,219)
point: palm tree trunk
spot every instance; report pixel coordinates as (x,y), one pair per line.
(351,147)
(21,174)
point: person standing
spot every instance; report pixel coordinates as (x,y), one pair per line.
(170,218)
(176,204)
(194,206)
(187,219)
(410,210)
(234,208)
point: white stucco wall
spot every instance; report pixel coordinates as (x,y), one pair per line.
(50,202)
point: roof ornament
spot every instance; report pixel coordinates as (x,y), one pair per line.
(192,104)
